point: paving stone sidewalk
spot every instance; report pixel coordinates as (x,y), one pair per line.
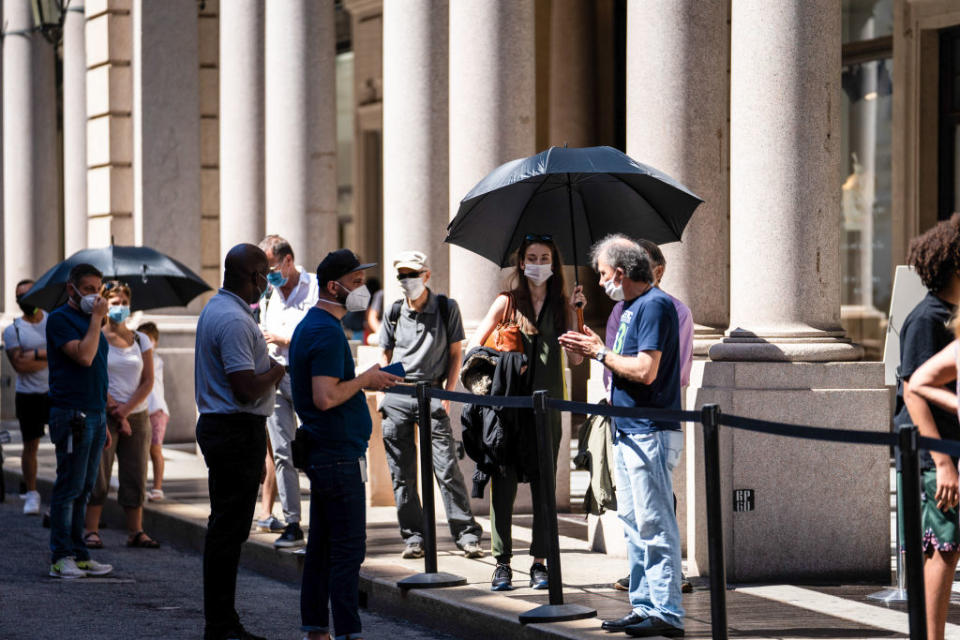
(473,611)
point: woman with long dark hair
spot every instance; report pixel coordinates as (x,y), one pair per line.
(539,304)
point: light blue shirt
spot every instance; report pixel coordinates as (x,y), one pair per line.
(228,340)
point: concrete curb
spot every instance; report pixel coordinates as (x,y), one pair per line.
(467,612)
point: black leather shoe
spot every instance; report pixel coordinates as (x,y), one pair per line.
(622,623)
(653,627)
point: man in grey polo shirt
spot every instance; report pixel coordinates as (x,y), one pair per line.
(425,333)
(235,382)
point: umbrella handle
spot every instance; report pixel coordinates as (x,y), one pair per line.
(580,324)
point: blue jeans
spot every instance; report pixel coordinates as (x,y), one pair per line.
(644,465)
(335,549)
(78,461)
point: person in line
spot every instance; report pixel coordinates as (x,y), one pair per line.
(423,331)
(158,411)
(236,384)
(374,317)
(329,398)
(25,342)
(686,356)
(130,375)
(77,356)
(293,293)
(646,373)
(935,256)
(543,311)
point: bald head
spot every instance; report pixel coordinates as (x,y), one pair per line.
(245,271)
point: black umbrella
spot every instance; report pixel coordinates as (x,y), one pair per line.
(576,195)
(155,279)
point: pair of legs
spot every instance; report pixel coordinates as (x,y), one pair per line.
(131,453)
(644,468)
(335,550)
(400,413)
(158,428)
(78,439)
(32,410)
(269,493)
(233,447)
(282,428)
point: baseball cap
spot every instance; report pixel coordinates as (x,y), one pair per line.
(338,264)
(416,260)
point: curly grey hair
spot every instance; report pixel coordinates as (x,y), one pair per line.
(619,251)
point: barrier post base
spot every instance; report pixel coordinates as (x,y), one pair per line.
(557,613)
(889,596)
(431,581)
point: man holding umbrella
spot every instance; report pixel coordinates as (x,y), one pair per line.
(646,373)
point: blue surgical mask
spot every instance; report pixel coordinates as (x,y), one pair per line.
(118,313)
(276,279)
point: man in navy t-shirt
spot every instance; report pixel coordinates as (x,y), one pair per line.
(328,397)
(646,373)
(77,355)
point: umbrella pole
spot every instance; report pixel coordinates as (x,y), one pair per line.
(573,239)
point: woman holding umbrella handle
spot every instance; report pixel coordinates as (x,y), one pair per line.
(544,312)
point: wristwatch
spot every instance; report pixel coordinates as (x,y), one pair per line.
(601,355)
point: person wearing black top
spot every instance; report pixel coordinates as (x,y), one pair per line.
(926,332)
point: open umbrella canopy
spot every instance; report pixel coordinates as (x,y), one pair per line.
(155,279)
(576,195)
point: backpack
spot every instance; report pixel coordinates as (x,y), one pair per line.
(442,301)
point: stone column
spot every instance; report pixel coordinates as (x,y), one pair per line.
(678,57)
(300,123)
(31,239)
(74,130)
(572,110)
(415,137)
(492,120)
(166,129)
(241,123)
(785,184)
(322,225)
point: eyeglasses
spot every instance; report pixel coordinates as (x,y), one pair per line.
(406,276)
(545,237)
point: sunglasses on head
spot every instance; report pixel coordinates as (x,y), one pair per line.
(541,237)
(111,285)
(407,276)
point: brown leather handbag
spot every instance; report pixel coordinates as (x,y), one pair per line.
(506,336)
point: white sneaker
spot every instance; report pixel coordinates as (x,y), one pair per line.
(66,568)
(93,568)
(31,503)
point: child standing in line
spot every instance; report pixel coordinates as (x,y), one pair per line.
(159,414)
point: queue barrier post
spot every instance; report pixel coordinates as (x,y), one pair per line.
(910,463)
(710,418)
(556,610)
(430,578)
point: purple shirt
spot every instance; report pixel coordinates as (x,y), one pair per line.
(685,337)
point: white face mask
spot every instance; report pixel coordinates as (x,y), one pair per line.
(86,303)
(613,290)
(413,288)
(358,299)
(538,273)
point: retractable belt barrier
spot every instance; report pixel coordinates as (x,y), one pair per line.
(907,441)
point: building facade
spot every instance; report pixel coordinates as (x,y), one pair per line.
(820,133)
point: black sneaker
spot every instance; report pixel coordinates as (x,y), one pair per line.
(623,584)
(502,578)
(685,585)
(291,537)
(538,576)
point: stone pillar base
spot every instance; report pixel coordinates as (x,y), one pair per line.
(786,346)
(821,510)
(705,337)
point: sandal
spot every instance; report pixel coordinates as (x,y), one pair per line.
(92,540)
(140,540)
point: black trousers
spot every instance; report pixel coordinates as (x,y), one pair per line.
(234,447)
